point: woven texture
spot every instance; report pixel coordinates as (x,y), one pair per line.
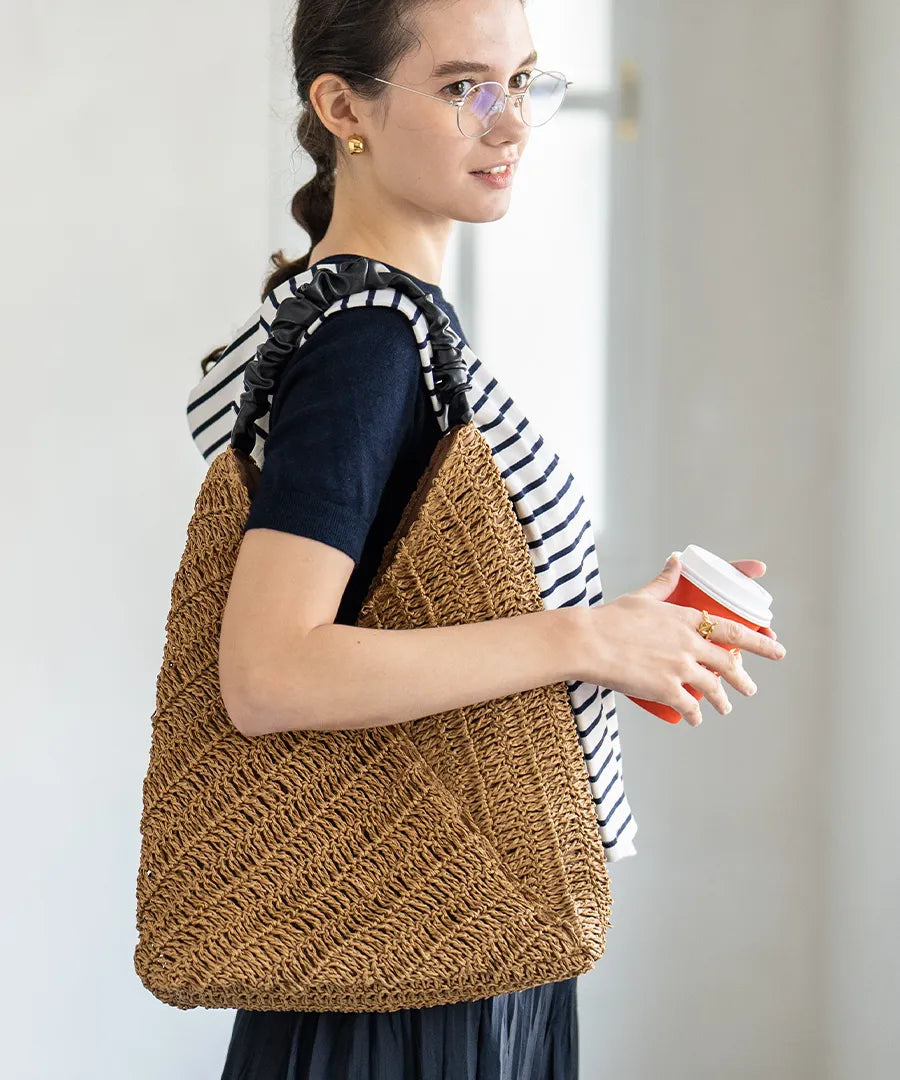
(448,858)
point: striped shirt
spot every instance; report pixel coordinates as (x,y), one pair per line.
(551,509)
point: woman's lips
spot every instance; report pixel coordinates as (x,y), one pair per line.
(496,180)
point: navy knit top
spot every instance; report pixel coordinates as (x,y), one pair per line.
(351,431)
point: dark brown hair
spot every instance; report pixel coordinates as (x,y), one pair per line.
(339,37)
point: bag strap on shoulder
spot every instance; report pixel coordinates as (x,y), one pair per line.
(311,300)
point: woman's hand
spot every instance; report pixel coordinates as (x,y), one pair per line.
(646,648)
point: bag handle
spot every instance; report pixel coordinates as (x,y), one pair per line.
(299,310)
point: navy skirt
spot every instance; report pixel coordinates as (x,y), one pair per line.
(526,1035)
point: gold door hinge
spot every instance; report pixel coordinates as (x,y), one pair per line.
(629,100)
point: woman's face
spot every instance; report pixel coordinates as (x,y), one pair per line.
(419,156)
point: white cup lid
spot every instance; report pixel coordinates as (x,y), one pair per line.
(726,584)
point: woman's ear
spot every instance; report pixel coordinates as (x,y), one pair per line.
(337,107)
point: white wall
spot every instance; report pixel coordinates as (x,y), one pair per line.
(134,216)
(723,362)
(752,934)
(860,941)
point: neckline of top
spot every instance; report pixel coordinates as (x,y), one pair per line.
(428,285)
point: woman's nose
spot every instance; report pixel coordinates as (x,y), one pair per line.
(515,103)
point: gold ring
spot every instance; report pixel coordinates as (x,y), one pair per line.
(706,628)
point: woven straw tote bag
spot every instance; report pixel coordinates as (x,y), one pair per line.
(443,859)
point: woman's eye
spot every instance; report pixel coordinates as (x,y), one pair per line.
(460,93)
(453,90)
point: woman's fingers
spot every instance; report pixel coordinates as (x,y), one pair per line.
(689,707)
(750,567)
(734,635)
(730,666)
(710,686)
(719,655)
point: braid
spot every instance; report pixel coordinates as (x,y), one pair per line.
(313,203)
(359,43)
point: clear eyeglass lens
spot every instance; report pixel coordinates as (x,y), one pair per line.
(483,104)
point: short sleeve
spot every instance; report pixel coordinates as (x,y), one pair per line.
(342,414)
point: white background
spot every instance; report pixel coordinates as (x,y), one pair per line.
(748,334)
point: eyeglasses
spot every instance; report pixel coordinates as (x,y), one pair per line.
(481,107)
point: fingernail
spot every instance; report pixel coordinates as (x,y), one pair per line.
(780,651)
(727,708)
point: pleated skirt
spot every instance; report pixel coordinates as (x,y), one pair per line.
(526,1035)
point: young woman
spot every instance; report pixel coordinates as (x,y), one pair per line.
(401,129)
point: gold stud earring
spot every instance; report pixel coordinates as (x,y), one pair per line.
(355,144)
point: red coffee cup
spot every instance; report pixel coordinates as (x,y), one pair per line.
(711,584)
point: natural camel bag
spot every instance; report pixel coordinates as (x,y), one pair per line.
(442,859)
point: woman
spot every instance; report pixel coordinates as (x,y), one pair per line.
(399,142)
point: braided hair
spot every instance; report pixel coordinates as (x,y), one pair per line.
(338,37)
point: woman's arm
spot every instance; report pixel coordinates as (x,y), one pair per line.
(285,664)
(338,676)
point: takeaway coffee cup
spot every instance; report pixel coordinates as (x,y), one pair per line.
(711,584)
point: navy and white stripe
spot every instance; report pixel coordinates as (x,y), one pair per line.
(545,494)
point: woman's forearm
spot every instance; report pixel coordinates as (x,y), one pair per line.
(339,676)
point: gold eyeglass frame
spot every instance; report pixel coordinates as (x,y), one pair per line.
(520,94)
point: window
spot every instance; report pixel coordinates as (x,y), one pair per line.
(531,288)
